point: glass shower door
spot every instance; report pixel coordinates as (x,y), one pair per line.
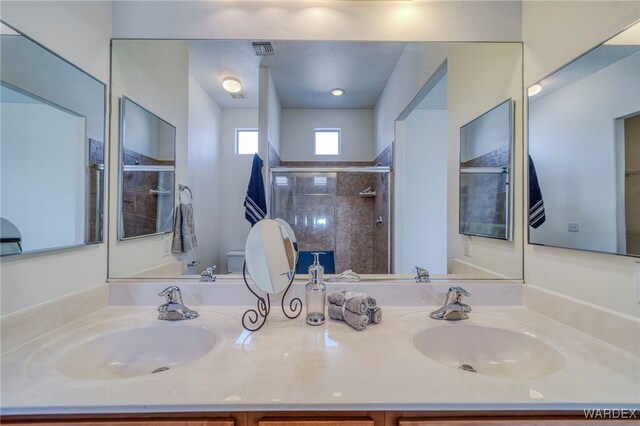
(307,202)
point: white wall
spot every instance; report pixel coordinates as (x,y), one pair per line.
(80,33)
(236,170)
(327,20)
(553,36)
(416,65)
(205,176)
(147,134)
(297,142)
(482,136)
(275,117)
(54,80)
(479,77)
(43,172)
(421,222)
(572,141)
(154,74)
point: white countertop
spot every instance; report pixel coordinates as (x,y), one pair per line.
(288,365)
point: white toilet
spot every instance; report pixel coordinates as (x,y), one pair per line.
(235,260)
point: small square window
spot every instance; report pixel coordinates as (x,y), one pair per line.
(246,141)
(327,141)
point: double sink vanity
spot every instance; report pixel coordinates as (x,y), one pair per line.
(122,359)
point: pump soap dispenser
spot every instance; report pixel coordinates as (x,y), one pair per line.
(315,292)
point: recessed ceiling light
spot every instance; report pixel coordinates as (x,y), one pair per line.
(337,92)
(231,84)
(534,90)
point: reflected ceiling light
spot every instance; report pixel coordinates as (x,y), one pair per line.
(231,84)
(337,92)
(534,90)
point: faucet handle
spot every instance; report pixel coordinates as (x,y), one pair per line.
(172,293)
(422,275)
(455,294)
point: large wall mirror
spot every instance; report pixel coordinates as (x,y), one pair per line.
(584,147)
(368,174)
(485,168)
(147,149)
(52,149)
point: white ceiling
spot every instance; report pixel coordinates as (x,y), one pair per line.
(303,71)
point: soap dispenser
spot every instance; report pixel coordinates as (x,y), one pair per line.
(315,292)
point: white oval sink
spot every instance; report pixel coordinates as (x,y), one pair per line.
(489,350)
(137,351)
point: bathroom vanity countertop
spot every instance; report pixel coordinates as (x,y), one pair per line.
(288,365)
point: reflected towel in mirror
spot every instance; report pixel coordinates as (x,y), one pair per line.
(184,230)
(255,203)
(536,204)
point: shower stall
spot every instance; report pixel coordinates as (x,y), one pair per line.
(341,211)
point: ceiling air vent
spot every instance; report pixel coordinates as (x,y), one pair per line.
(263,48)
(238,95)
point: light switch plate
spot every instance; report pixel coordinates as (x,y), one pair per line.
(467,246)
(166,245)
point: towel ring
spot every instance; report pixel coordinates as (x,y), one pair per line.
(182,189)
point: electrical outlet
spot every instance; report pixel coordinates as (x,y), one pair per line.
(573,227)
(166,245)
(467,246)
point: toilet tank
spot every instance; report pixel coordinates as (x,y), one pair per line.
(235,260)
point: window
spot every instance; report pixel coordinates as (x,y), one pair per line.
(246,141)
(327,141)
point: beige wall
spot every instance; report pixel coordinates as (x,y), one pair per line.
(320,20)
(80,33)
(154,74)
(554,33)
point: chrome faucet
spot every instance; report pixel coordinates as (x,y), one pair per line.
(453,309)
(174,309)
(207,275)
(422,275)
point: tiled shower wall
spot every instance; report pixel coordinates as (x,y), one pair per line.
(483,197)
(347,220)
(139,205)
(354,223)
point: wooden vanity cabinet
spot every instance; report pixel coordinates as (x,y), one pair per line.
(319,418)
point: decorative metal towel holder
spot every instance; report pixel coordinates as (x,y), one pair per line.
(254,319)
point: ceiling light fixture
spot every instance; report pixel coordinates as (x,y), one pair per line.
(231,84)
(337,92)
(534,90)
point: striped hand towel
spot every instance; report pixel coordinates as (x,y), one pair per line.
(536,204)
(255,203)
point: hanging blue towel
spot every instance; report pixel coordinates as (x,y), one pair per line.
(255,203)
(536,204)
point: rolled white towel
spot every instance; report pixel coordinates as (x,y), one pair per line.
(375,315)
(359,322)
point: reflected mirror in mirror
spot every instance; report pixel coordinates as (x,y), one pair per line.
(51,149)
(270,256)
(485,166)
(584,147)
(148,172)
(388,201)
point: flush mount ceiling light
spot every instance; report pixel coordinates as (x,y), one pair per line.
(337,92)
(231,84)
(534,90)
